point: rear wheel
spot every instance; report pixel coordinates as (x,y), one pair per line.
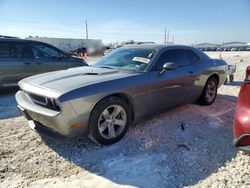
(209,92)
(231,78)
(109,121)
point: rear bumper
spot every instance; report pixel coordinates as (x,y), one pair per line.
(59,122)
(239,140)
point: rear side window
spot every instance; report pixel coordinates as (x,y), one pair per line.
(18,50)
(13,50)
(4,50)
(192,56)
(44,51)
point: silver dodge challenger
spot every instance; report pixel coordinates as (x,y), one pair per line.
(102,100)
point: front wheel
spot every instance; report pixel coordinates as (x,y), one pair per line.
(109,121)
(209,92)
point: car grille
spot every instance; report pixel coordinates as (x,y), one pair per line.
(44,101)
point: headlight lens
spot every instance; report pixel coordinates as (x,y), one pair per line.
(46,102)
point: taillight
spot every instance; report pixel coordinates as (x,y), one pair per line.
(248,73)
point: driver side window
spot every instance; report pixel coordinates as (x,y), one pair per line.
(178,56)
(42,51)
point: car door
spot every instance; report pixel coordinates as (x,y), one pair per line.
(48,58)
(15,62)
(173,87)
(195,70)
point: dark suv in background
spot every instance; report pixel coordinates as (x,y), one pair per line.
(21,58)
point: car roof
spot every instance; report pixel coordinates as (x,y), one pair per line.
(157,46)
(28,41)
(18,40)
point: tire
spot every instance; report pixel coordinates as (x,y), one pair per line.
(231,78)
(209,92)
(104,121)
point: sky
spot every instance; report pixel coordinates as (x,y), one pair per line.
(188,21)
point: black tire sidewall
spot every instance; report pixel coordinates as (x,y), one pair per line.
(231,78)
(203,100)
(93,131)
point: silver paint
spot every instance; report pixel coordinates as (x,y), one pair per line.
(78,90)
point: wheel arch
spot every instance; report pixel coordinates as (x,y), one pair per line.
(128,99)
(216,76)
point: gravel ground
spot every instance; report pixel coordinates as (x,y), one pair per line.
(188,146)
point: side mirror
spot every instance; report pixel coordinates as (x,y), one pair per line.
(168,66)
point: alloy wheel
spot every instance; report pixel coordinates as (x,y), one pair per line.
(211,91)
(112,122)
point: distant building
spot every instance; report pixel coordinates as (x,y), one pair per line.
(68,44)
(207,45)
(229,46)
(235,44)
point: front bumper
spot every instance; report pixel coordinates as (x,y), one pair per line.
(61,122)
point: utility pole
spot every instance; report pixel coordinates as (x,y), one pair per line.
(173,39)
(168,37)
(86,27)
(165,37)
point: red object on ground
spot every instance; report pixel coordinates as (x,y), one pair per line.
(242,116)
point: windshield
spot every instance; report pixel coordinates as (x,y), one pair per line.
(127,59)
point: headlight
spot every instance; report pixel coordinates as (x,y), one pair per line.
(46,102)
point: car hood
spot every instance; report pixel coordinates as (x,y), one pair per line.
(67,80)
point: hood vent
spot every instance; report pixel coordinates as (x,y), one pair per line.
(94,72)
(91,73)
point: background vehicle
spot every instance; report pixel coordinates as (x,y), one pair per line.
(130,83)
(78,51)
(242,116)
(107,52)
(230,73)
(22,58)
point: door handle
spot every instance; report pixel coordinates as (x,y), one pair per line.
(191,72)
(26,63)
(39,63)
